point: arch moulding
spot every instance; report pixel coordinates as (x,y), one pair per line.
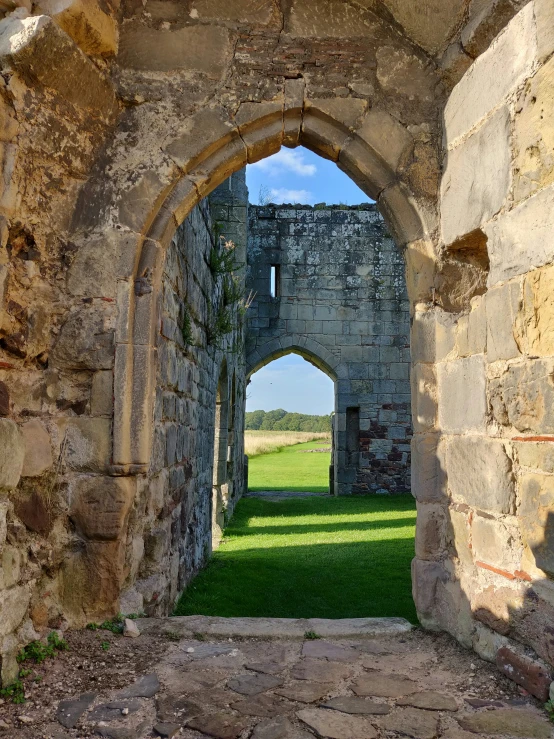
(259,130)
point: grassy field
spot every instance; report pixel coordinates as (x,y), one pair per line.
(311,557)
(265,442)
(291,468)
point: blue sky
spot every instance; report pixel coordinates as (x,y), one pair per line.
(300,176)
(296,176)
(293,384)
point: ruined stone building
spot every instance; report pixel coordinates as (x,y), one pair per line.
(123,354)
(340,302)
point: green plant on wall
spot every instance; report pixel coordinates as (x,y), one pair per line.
(223,259)
(245,303)
(232,290)
(219,325)
(186,329)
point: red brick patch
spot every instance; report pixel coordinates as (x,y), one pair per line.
(528,673)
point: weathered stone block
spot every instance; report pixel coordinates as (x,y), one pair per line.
(241,11)
(495,605)
(87,443)
(420,271)
(486,21)
(402,215)
(537,318)
(344,112)
(520,240)
(429,25)
(86,21)
(501,69)
(91,580)
(544,14)
(477,174)
(480,473)
(496,543)
(524,396)
(462,398)
(536,516)
(38,449)
(34,511)
(13,607)
(400,72)
(424,397)
(534,134)
(425,578)
(538,455)
(487,642)
(63,67)
(261,128)
(100,262)
(101,395)
(533,618)
(324,136)
(503,305)
(100,506)
(471,337)
(459,536)
(86,339)
(321,18)
(10,567)
(388,138)
(206,49)
(13,452)
(431,531)
(427,470)
(453,611)
(433,335)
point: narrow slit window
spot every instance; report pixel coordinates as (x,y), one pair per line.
(274,281)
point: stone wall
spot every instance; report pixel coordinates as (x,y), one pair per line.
(341,303)
(173,513)
(196,475)
(484,367)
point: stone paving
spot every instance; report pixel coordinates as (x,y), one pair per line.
(388,681)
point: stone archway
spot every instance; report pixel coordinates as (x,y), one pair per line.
(367,164)
(189,100)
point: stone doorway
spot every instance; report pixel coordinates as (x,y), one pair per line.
(296,389)
(421,113)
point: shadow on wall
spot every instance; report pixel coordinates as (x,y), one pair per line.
(506,616)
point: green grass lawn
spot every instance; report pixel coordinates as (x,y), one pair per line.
(291,469)
(311,557)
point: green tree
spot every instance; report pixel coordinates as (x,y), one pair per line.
(254,420)
(270,418)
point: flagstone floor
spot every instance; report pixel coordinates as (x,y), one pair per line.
(198,677)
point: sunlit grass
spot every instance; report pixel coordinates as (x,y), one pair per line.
(292,468)
(312,557)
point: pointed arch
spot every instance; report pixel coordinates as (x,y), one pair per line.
(307,348)
(341,133)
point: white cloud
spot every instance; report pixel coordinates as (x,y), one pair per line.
(286,160)
(284,195)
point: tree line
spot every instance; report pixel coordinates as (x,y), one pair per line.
(281,420)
